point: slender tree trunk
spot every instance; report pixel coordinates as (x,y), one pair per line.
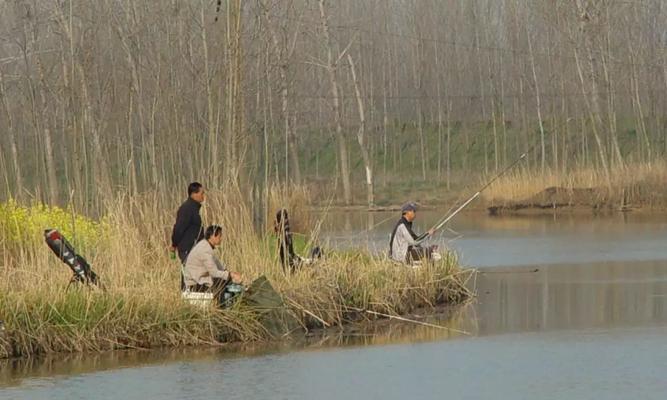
(213,164)
(439,105)
(385,124)
(592,112)
(283,59)
(342,145)
(40,117)
(539,103)
(361,138)
(641,123)
(449,141)
(419,81)
(50,166)
(18,188)
(586,20)
(617,158)
(494,112)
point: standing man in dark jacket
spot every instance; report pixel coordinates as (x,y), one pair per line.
(188,229)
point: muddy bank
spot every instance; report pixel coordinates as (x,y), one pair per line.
(551,199)
(566,199)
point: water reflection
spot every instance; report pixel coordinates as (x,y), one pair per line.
(447,324)
(15,371)
(603,295)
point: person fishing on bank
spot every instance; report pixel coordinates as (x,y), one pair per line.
(289,260)
(404,244)
(188,229)
(203,271)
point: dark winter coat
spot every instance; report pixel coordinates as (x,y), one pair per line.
(188,229)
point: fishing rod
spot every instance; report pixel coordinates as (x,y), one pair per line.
(479,192)
(495,178)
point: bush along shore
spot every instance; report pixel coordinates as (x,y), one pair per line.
(141,306)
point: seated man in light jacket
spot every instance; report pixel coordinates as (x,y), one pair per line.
(203,271)
(404,244)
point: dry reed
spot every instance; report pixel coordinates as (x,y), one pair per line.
(634,185)
(141,306)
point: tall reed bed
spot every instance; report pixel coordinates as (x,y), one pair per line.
(637,184)
(141,305)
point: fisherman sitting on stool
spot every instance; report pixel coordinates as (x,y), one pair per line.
(404,244)
(203,271)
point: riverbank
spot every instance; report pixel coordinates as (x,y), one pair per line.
(141,305)
(561,310)
(632,187)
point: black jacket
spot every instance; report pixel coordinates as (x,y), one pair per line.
(188,229)
(286,246)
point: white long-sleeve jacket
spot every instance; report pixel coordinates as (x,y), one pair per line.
(202,266)
(402,240)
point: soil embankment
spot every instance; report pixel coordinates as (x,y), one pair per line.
(561,198)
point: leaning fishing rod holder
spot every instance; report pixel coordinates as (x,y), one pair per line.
(81,270)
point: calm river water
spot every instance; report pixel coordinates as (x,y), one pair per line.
(568,308)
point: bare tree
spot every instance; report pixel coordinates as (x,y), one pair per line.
(139,95)
(284,53)
(332,67)
(18,192)
(361,135)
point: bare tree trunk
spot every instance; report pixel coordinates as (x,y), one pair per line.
(601,148)
(385,124)
(284,54)
(494,111)
(664,72)
(69,117)
(539,102)
(449,141)
(641,123)
(361,135)
(419,81)
(213,172)
(50,166)
(18,189)
(40,116)
(439,105)
(617,158)
(5,171)
(332,66)
(586,15)
(89,123)
(234,94)
(503,117)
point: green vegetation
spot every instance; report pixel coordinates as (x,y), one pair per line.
(571,164)
(141,306)
(19,224)
(398,173)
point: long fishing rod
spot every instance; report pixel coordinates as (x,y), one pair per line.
(479,192)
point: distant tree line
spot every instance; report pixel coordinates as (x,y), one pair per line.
(98,96)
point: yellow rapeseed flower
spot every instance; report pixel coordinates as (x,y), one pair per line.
(20,223)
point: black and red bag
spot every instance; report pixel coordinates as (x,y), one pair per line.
(66,253)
